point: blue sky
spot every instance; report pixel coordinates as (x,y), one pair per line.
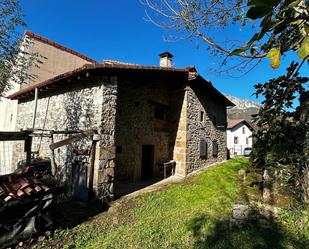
(117,30)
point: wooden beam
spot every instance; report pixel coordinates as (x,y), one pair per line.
(72,139)
(13,135)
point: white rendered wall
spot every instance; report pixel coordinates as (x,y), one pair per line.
(237,131)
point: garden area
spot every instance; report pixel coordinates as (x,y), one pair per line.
(198,212)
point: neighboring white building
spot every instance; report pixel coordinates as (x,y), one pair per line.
(239,136)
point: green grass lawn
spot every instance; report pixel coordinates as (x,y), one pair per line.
(192,214)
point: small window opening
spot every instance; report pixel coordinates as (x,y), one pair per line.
(235,140)
(243,130)
(160,113)
(247,140)
(202,116)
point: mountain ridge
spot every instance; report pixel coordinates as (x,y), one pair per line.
(243,109)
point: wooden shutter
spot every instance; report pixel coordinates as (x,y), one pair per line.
(203,148)
(215,148)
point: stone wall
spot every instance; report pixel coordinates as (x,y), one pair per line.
(211,128)
(80,109)
(181,124)
(55,61)
(136,125)
(105,166)
(122,109)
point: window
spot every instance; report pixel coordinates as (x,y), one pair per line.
(243,130)
(160,112)
(203,149)
(235,140)
(202,116)
(215,148)
(247,140)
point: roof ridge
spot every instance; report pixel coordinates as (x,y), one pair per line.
(231,123)
(108,61)
(59,46)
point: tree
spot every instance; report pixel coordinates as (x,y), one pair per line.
(283,137)
(279,26)
(14,60)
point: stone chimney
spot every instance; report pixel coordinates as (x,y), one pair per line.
(166,59)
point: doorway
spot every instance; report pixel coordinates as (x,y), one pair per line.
(147,162)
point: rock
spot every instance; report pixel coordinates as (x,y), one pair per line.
(41,238)
(241,212)
(48,234)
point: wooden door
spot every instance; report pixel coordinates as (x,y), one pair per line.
(147,162)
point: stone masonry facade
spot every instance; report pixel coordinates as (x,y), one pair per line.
(124,111)
(212,128)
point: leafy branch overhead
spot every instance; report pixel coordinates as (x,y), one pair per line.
(279,25)
(285,23)
(14,60)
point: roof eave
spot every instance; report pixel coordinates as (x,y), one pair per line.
(26,92)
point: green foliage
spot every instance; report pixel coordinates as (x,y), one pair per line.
(284,23)
(192,214)
(278,24)
(14,60)
(282,137)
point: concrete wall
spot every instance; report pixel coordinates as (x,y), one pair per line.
(54,61)
(237,131)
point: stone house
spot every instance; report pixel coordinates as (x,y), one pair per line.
(239,136)
(145,115)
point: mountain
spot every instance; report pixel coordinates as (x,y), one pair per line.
(243,108)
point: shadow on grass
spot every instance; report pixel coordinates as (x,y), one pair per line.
(254,234)
(72,213)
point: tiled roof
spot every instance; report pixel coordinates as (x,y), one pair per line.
(233,122)
(107,66)
(19,185)
(110,67)
(57,45)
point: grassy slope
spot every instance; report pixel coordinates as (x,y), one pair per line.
(191,214)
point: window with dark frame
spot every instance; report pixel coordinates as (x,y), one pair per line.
(203,149)
(215,148)
(235,140)
(247,140)
(243,130)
